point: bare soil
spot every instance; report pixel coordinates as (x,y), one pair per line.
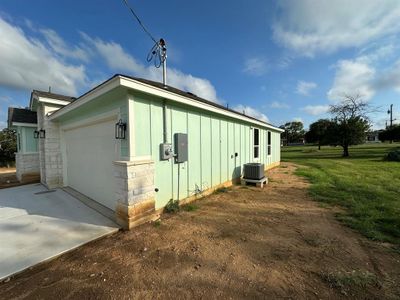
(245,242)
(8,178)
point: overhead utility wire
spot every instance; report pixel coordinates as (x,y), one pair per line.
(158,52)
(139,21)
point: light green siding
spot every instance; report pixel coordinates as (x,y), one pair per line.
(213,141)
(26,143)
(113,100)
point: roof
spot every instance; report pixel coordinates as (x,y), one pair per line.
(53,96)
(159,86)
(189,95)
(21,115)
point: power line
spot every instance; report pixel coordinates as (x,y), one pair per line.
(140,22)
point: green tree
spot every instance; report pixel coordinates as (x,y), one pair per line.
(350,122)
(318,132)
(294,132)
(390,134)
(8,146)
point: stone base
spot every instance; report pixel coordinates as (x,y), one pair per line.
(27,165)
(133,215)
(30,178)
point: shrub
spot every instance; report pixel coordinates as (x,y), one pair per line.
(393,155)
(172,206)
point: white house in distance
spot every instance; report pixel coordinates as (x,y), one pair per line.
(130,145)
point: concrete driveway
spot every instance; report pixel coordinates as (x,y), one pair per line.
(37,224)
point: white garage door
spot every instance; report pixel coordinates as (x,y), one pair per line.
(90,152)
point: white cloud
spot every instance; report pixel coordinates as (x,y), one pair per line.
(279,105)
(255,66)
(305,87)
(316,110)
(26,63)
(119,60)
(5,99)
(249,111)
(60,47)
(352,76)
(298,119)
(310,27)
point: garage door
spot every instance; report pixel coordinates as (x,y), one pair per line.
(90,152)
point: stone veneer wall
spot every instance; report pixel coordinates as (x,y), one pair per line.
(134,192)
(27,164)
(50,149)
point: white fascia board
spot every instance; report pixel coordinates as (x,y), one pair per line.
(53,101)
(149,89)
(23,124)
(106,87)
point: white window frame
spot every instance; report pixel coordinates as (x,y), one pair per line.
(269,143)
(256,146)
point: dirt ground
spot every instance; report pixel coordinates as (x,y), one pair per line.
(241,243)
(8,178)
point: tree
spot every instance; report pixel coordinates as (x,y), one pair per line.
(390,134)
(294,131)
(350,122)
(8,146)
(318,132)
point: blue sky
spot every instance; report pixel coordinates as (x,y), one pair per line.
(278,61)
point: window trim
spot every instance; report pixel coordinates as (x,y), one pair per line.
(256,146)
(269,143)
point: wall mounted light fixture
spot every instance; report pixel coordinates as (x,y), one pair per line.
(36,134)
(120,129)
(42,133)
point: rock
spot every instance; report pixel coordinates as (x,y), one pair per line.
(92,275)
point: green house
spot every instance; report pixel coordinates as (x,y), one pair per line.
(131,145)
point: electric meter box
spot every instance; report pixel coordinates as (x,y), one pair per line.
(166,151)
(181,147)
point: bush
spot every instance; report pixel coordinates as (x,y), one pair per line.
(172,206)
(393,155)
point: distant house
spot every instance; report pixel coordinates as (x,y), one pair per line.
(132,144)
(373,136)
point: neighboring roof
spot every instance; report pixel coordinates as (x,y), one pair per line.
(87,96)
(21,115)
(53,96)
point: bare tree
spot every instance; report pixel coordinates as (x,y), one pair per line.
(350,122)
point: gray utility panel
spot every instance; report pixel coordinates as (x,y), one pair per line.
(181,147)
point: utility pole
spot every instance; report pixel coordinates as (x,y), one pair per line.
(390,112)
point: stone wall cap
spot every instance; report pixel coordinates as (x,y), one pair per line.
(133,162)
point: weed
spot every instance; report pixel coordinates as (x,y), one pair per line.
(157,223)
(190,207)
(172,206)
(345,280)
(221,190)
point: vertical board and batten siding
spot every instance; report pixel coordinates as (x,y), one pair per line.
(213,141)
(26,143)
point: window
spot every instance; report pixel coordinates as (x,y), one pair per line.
(269,142)
(256,142)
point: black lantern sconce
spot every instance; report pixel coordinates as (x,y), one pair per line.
(120,129)
(36,134)
(42,133)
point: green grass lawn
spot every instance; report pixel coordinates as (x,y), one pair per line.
(366,186)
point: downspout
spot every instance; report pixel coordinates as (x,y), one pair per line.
(165,133)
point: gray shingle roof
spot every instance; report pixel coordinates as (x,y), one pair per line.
(53,96)
(21,115)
